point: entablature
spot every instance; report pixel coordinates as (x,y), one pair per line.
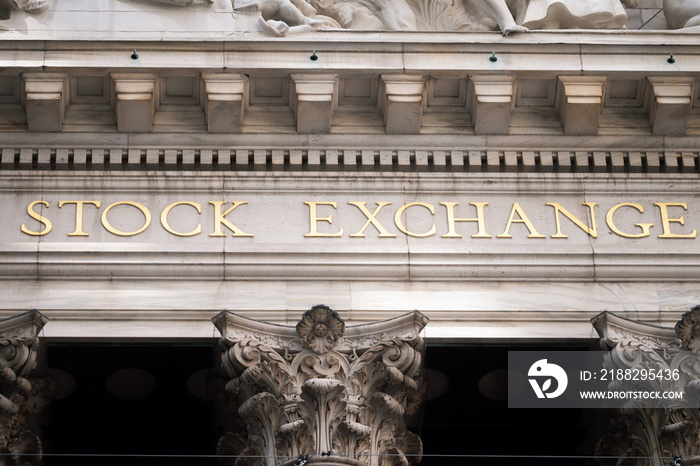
(606,84)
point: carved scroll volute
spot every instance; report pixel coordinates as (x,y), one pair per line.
(335,393)
(19,394)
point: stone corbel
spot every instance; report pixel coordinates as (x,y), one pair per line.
(491,99)
(19,394)
(313,101)
(667,101)
(226,101)
(135,101)
(579,102)
(46,100)
(401,102)
(333,393)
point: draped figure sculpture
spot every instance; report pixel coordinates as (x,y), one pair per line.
(682,13)
(284,17)
(30,6)
(522,15)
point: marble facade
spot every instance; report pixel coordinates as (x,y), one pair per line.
(163,161)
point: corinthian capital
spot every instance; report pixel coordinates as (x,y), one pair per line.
(337,394)
(20,395)
(666,431)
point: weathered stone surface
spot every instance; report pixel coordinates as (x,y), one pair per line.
(579,103)
(401,101)
(314,100)
(668,102)
(491,100)
(653,433)
(226,101)
(47,100)
(333,393)
(135,101)
(20,394)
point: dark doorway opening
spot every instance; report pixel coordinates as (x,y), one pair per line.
(130,400)
(470,422)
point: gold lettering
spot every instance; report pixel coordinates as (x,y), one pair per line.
(371,219)
(219,219)
(38,217)
(665,221)
(592,231)
(169,229)
(523,219)
(314,219)
(79,214)
(451,233)
(146,213)
(402,227)
(644,226)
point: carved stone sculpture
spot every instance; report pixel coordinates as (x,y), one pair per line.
(282,17)
(653,433)
(30,6)
(20,395)
(522,15)
(180,3)
(682,13)
(323,392)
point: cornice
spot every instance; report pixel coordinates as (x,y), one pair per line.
(565,51)
(604,101)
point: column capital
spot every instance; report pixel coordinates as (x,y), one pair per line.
(20,395)
(635,347)
(321,386)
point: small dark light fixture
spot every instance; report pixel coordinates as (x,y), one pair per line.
(671,59)
(313,56)
(135,55)
(493,58)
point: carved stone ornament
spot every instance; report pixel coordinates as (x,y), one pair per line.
(688,329)
(653,433)
(30,6)
(320,327)
(335,394)
(19,394)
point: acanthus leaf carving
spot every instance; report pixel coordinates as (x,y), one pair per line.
(21,394)
(336,394)
(641,431)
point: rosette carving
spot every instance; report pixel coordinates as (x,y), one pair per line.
(338,395)
(688,329)
(320,328)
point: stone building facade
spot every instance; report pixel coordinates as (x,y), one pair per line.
(164,161)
